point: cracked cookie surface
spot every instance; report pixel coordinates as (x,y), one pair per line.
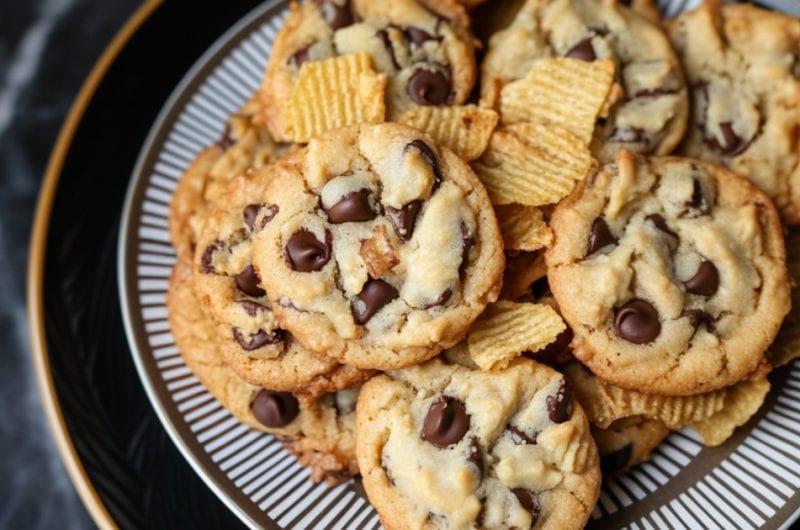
(670,272)
(445,446)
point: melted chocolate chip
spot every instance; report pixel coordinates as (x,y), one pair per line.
(530,502)
(259,339)
(556,353)
(705,282)
(660,223)
(252,308)
(600,236)
(698,317)
(520,437)
(374,295)
(475,455)
(426,87)
(628,135)
(252,211)
(559,407)
(274,409)
(247,281)
(430,158)
(383,35)
(446,422)
(583,51)
(637,321)
(698,200)
(467,242)
(616,460)
(306,253)
(227,140)
(734,145)
(335,15)
(418,36)
(206,260)
(403,220)
(351,208)
(443,298)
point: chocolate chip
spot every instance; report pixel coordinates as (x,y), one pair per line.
(698,317)
(475,455)
(207,259)
(306,253)
(616,460)
(374,295)
(426,87)
(559,407)
(403,220)
(556,353)
(705,282)
(247,281)
(300,56)
(443,298)
(252,308)
(352,207)
(519,437)
(655,92)
(383,35)
(259,339)
(697,202)
(637,321)
(583,51)
(628,135)
(337,16)
(418,36)
(429,156)
(446,422)
(274,409)
(530,502)
(226,141)
(467,242)
(734,145)
(600,236)
(252,211)
(660,223)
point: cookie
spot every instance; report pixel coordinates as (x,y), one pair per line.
(628,442)
(444,446)
(647,109)
(671,273)
(743,66)
(425,47)
(244,144)
(320,433)
(383,248)
(252,340)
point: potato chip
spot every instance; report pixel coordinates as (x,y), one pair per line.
(627,442)
(463,129)
(566,92)
(532,169)
(605,403)
(334,93)
(523,227)
(742,402)
(522,269)
(506,329)
(786,346)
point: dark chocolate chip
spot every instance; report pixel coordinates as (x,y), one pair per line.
(443,298)
(734,145)
(227,140)
(637,321)
(306,253)
(600,236)
(335,15)
(697,202)
(475,455)
(583,51)
(530,502)
(559,407)
(300,56)
(206,260)
(353,207)
(660,223)
(705,282)
(628,135)
(247,281)
(259,339)
(252,211)
(403,220)
(556,353)
(698,317)
(418,36)
(274,409)
(426,87)
(446,422)
(467,242)
(616,460)
(429,156)
(383,35)
(374,295)
(252,308)
(520,437)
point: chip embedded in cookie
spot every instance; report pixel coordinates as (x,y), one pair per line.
(445,446)
(671,273)
(384,249)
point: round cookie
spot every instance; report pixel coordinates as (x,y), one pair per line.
(743,66)
(649,106)
(444,446)
(320,433)
(425,47)
(384,248)
(671,273)
(628,442)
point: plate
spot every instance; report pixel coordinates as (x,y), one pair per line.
(753,481)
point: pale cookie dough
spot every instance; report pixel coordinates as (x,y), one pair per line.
(443,446)
(384,248)
(671,273)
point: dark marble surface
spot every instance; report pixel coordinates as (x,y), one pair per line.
(47,47)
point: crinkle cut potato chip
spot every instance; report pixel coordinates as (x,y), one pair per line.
(465,130)
(742,402)
(523,227)
(334,93)
(566,92)
(506,329)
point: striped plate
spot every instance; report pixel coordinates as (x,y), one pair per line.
(753,481)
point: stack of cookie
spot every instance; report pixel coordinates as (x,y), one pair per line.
(476,305)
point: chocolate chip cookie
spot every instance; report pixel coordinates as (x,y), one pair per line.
(425,47)
(671,273)
(743,66)
(444,446)
(383,248)
(648,106)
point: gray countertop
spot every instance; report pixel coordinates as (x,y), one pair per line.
(47,47)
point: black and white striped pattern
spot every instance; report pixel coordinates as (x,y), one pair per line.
(743,489)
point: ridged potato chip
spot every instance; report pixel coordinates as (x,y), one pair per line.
(506,329)
(523,227)
(741,403)
(786,346)
(605,403)
(465,130)
(334,93)
(532,165)
(566,92)
(627,442)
